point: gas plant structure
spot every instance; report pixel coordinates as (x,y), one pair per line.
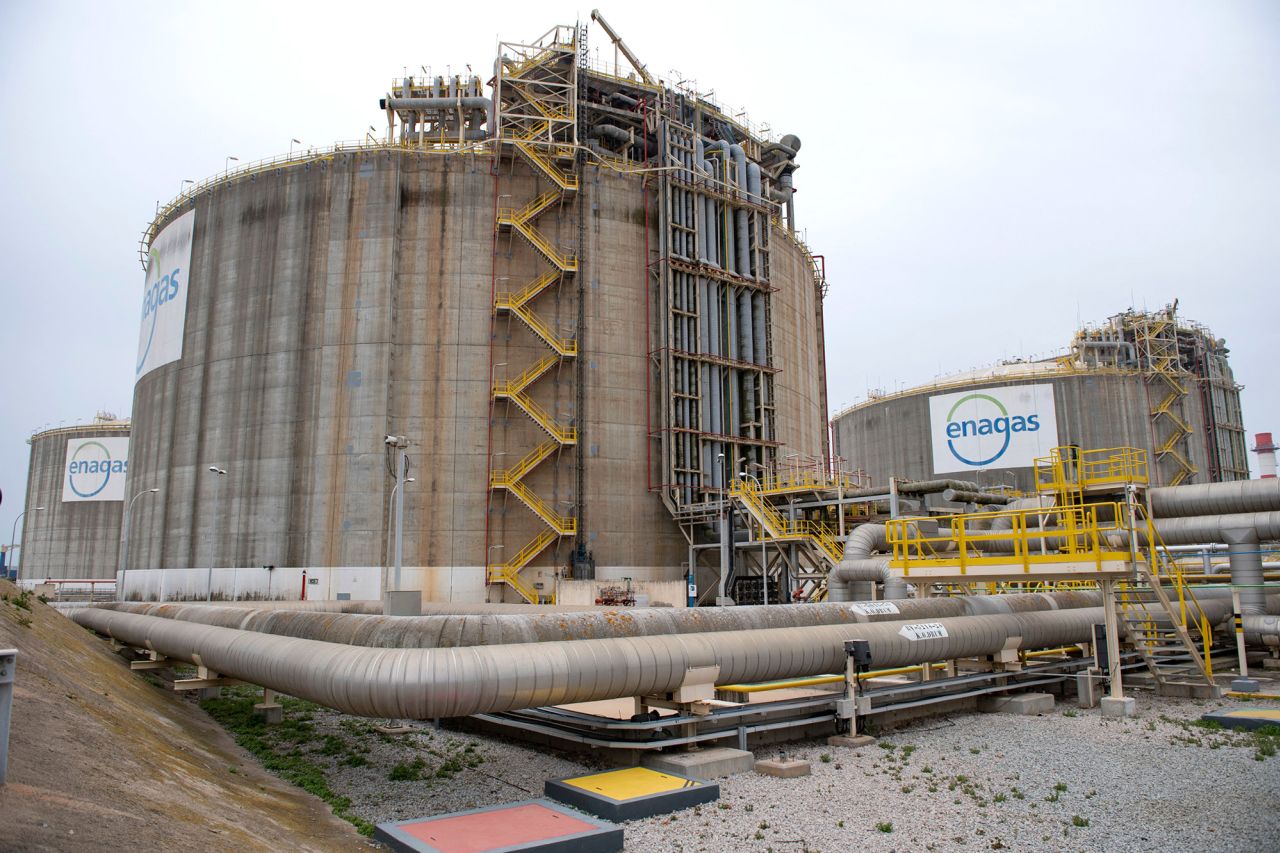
(1151,380)
(75,501)
(576,294)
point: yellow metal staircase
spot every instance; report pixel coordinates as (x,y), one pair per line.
(817,535)
(536,113)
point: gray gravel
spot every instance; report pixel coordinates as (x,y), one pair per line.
(967,782)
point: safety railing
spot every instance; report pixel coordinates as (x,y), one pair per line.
(566,347)
(531,460)
(566,263)
(1032,538)
(1073,467)
(525,379)
(566,181)
(530,290)
(1165,568)
(777,527)
(530,210)
(562,524)
(540,416)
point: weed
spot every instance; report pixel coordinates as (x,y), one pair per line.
(907,750)
(999,798)
(825,758)
(1076,820)
(1060,787)
(907,789)
(884,826)
(748,808)
(764,824)
(759,835)
(1069,713)
(839,824)
(926,769)
(234,712)
(973,750)
(410,772)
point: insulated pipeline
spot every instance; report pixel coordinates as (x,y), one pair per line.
(455,631)
(433,683)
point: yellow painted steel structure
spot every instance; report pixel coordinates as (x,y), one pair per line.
(1069,471)
(774,527)
(536,89)
(1050,542)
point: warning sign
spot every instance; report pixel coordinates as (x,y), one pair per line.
(875,608)
(924,631)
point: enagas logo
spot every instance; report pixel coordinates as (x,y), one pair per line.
(968,438)
(158,292)
(91,468)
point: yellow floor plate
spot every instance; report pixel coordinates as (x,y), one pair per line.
(630,783)
(1264,713)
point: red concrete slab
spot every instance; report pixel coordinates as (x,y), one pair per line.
(533,825)
(477,833)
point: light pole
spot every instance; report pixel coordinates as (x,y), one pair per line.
(13,537)
(390,504)
(128,520)
(293,142)
(227,168)
(725,545)
(400,443)
(217,490)
(182,188)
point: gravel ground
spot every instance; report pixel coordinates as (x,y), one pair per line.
(1062,781)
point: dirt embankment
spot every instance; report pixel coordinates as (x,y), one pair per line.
(100,758)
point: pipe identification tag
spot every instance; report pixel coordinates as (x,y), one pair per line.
(875,608)
(924,631)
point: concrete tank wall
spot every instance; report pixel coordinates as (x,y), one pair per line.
(336,301)
(75,539)
(890,437)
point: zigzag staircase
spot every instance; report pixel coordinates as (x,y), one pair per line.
(818,537)
(532,130)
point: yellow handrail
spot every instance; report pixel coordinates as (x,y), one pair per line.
(530,290)
(566,347)
(530,461)
(540,416)
(524,380)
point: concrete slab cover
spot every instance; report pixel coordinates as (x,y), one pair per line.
(704,764)
(531,825)
(631,793)
(1244,718)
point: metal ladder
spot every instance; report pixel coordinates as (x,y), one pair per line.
(1156,626)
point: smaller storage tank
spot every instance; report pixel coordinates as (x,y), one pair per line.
(77,474)
(1153,381)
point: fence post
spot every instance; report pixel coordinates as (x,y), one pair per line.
(8,671)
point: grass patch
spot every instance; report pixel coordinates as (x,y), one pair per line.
(1076,820)
(885,826)
(276,748)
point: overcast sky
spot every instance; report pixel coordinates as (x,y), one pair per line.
(981,176)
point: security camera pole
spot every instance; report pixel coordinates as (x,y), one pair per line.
(402,464)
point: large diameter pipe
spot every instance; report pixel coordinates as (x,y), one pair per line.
(1205,499)
(415,104)
(433,683)
(454,631)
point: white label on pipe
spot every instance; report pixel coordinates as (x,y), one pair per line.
(924,631)
(875,608)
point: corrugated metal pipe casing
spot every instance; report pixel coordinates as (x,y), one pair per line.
(476,630)
(858,566)
(430,683)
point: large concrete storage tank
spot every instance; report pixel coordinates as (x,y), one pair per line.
(493,282)
(1147,380)
(77,474)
